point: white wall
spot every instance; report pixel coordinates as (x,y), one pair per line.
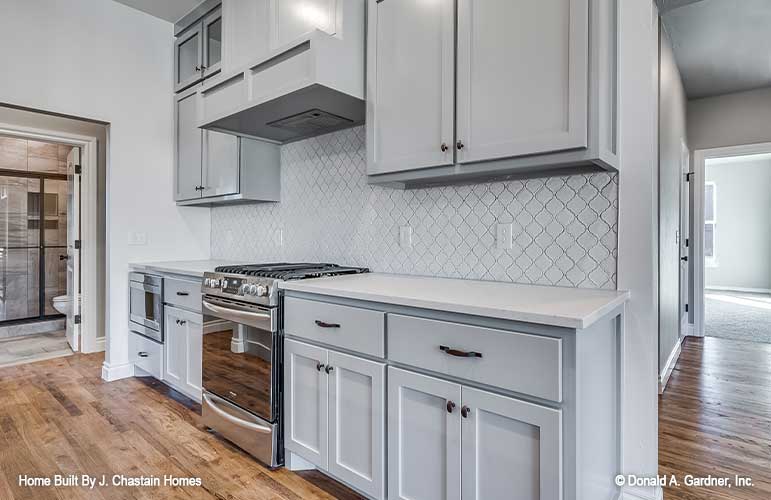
(672,134)
(743,229)
(730,120)
(637,245)
(102,60)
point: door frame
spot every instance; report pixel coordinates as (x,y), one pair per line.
(700,157)
(88,224)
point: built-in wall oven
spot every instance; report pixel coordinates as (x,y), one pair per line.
(146,305)
(241,377)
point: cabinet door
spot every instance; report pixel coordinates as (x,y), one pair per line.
(510,446)
(423,437)
(175,348)
(212,43)
(188,57)
(410,85)
(357,422)
(187,139)
(220,164)
(305,401)
(192,324)
(522,77)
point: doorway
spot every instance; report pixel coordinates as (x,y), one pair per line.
(732,272)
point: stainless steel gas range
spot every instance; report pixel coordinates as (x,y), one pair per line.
(242,364)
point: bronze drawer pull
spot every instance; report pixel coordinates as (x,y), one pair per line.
(183,294)
(460,354)
(322,324)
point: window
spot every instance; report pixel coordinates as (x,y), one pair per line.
(710,219)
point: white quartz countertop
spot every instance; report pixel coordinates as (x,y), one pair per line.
(546,305)
(192,268)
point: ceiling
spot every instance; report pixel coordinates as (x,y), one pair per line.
(721,46)
(169,10)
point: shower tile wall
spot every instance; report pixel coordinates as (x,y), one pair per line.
(565,228)
(19,226)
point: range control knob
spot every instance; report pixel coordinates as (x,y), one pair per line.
(206,282)
(244,289)
(252,289)
(262,290)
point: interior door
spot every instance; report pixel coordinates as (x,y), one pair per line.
(73,248)
(685,231)
(410,85)
(424,450)
(522,77)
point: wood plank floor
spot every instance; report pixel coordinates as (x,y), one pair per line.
(59,417)
(715,418)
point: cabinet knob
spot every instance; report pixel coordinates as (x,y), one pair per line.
(198,68)
(460,145)
(319,366)
(450,406)
(444,147)
(183,322)
(465,411)
(329,369)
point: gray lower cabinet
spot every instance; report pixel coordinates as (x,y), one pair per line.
(183,351)
(424,437)
(213,168)
(336,414)
(449,441)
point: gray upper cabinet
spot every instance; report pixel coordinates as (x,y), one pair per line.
(212,168)
(187,141)
(522,77)
(513,87)
(410,88)
(198,51)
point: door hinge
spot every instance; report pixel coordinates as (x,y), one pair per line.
(78,169)
(686,307)
(688,176)
(77,244)
(76,319)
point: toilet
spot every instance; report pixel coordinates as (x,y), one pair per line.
(63,303)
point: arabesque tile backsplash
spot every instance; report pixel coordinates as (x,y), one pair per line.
(564,228)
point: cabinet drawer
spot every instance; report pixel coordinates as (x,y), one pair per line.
(358,330)
(519,362)
(146,354)
(181,293)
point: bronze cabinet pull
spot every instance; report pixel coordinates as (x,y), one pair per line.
(319,366)
(450,406)
(323,324)
(328,369)
(460,354)
(465,411)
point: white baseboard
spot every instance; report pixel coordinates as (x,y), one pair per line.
(112,373)
(669,366)
(99,344)
(636,493)
(296,462)
(737,289)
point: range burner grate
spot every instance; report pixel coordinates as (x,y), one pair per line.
(291,271)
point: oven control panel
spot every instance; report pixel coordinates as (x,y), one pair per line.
(251,289)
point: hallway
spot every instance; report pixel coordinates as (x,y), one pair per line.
(715,418)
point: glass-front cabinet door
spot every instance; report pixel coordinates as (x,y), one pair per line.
(188,58)
(212,43)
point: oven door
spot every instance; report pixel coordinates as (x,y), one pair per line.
(238,362)
(146,305)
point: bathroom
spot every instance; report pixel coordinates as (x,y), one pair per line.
(38,216)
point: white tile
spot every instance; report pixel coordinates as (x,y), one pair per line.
(564,228)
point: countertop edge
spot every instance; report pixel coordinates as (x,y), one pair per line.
(577,323)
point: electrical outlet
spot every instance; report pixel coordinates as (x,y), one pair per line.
(137,238)
(504,236)
(405,237)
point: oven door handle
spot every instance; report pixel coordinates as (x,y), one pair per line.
(234,420)
(249,318)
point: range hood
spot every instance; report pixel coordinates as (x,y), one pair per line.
(312,87)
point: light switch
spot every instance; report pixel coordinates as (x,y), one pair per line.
(405,237)
(138,238)
(504,236)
